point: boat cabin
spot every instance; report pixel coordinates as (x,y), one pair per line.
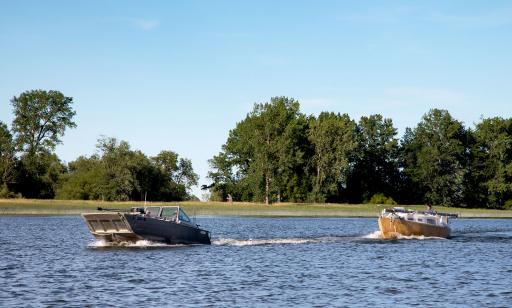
(430,218)
(168,213)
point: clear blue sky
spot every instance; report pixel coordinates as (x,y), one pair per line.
(179,74)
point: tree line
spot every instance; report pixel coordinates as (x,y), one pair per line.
(279,154)
(30,168)
(275,154)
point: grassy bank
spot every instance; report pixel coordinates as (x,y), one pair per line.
(75,207)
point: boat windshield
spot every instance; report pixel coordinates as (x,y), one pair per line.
(170,213)
(183,216)
(153,211)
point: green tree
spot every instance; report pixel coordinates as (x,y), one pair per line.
(375,161)
(38,175)
(84,180)
(439,157)
(7,160)
(261,151)
(224,179)
(116,159)
(177,173)
(333,137)
(119,173)
(492,162)
(40,119)
(186,175)
(294,156)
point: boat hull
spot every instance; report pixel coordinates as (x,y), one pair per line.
(160,230)
(122,227)
(394,227)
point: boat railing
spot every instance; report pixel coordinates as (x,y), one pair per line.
(451,215)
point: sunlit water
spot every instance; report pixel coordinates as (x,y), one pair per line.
(55,261)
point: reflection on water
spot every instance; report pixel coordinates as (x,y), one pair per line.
(54,261)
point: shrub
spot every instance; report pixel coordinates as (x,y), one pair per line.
(380,198)
(508,205)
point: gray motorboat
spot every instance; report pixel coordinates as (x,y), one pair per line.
(168,224)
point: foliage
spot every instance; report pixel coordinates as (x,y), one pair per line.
(438,158)
(38,175)
(333,138)
(264,155)
(275,154)
(492,162)
(40,119)
(121,174)
(380,198)
(508,205)
(7,158)
(375,161)
(83,181)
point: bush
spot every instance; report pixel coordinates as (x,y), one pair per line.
(508,205)
(5,193)
(380,198)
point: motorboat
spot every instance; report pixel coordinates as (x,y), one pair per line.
(398,221)
(168,224)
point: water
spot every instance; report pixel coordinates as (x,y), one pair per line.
(54,261)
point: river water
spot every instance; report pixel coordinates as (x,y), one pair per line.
(257,262)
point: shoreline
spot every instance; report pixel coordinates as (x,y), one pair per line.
(31,207)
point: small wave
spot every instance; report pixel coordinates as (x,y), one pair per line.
(137,244)
(378,235)
(418,237)
(373,235)
(280,241)
(259,242)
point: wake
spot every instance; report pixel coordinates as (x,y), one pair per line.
(137,244)
(260,242)
(281,241)
(377,235)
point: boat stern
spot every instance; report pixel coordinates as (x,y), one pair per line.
(110,227)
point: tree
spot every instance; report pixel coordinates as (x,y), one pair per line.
(333,137)
(119,173)
(223,177)
(38,176)
(7,160)
(177,172)
(262,151)
(492,163)
(85,180)
(40,119)
(294,152)
(438,146)
(186,175)
(116,159)
(375,161)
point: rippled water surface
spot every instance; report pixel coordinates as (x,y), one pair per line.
(55,261)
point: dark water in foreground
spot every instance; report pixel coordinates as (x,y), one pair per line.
(54,261)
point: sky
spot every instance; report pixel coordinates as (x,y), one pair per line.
(178,75)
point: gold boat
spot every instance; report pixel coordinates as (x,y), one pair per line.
(398,221)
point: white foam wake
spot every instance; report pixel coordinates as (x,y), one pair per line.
(418,237)
(137,244)
(258,242)
(378,235)
(373,235)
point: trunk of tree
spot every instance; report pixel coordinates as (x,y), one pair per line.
(267,188)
